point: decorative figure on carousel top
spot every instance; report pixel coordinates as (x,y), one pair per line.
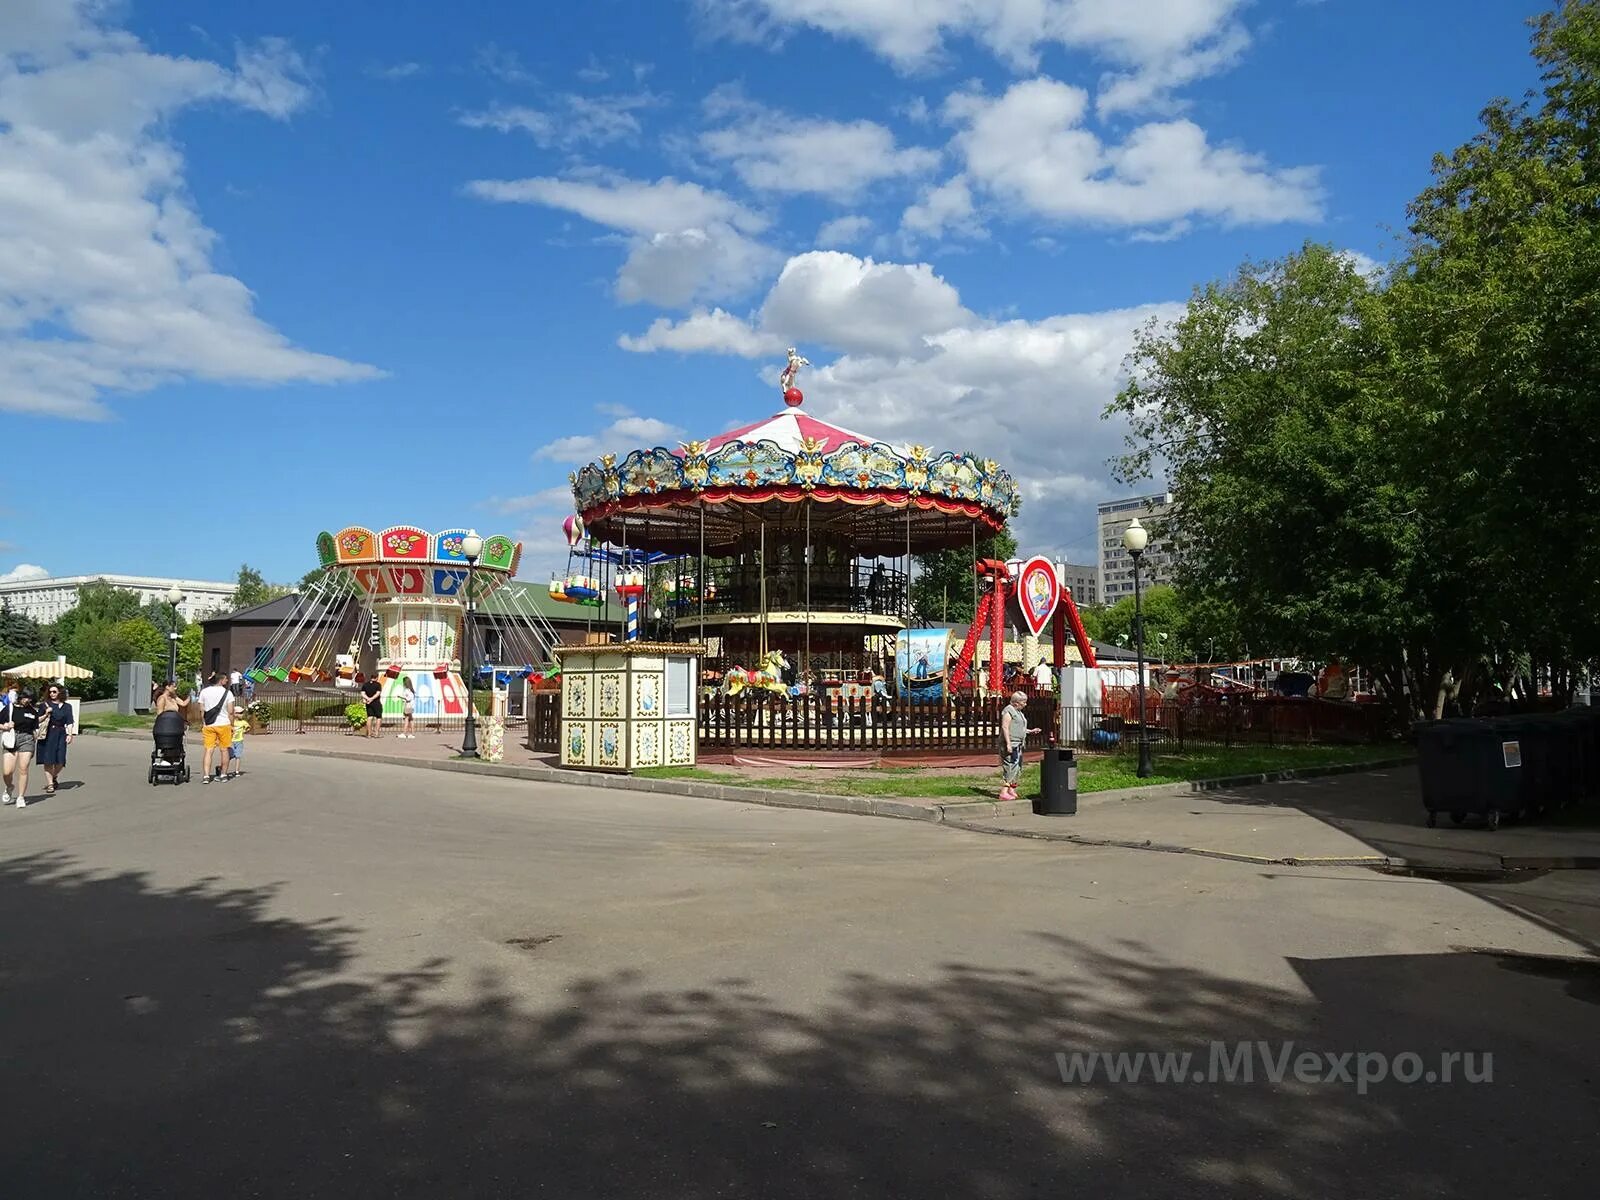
(792,396)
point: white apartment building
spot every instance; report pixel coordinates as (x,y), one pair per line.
(1116,567)
(46,599)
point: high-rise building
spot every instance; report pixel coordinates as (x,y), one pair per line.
(1116,567)
(1082,580)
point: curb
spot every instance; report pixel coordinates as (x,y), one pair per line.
(1288,775)
(862,806)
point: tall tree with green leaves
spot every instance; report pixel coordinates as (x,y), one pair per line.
(1301,505)
(1493,329)
(251,589)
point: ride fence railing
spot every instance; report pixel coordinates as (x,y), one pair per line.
(765,720)
(322,710)
(1115,726)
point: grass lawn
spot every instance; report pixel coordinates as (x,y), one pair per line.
(111,720)
(1096,773)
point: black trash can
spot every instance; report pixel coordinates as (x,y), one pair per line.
(1472,767)
(1058,783)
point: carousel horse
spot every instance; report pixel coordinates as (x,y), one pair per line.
(767,677)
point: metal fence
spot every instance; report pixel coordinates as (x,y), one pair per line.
(823,722)
(322,710)
(1233,721)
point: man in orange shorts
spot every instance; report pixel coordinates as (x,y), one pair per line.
(216,715)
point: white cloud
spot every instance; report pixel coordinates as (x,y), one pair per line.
(664,206)
(1029,147)
(825,297)
(703,332)
(671,270)
(397,71)
(499,63)
(919,366)
(569,120)
(857,304)
(106,276)
(1365,265)
(946,208)
(843,231)
(774,152)
(623,434)
(688,242)
(23,572)
(1161,43)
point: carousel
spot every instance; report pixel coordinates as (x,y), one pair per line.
(786,536)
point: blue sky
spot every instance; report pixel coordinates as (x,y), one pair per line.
(266,270)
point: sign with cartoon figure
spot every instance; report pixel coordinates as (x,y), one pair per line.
(1038,593)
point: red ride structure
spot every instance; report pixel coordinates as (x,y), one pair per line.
(996,586)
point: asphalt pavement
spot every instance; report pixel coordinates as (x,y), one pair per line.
(348,979)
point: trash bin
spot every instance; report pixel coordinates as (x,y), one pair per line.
(1550,758)
(1472,767)
(1058,783)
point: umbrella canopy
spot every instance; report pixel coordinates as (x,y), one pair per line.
(56,669)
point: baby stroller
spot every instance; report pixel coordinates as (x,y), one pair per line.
(167,759)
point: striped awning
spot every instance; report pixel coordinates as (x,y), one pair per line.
(55,669)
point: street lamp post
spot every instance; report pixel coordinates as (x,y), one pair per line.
(472,547)
(174,598)
(1134,539)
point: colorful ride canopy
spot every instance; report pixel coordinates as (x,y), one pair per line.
(407,562)
(655,497)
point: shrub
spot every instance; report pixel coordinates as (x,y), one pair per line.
(356,715)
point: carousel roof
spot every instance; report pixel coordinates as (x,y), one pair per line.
(787,467)
(788,430)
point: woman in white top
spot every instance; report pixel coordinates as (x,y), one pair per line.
(408,708)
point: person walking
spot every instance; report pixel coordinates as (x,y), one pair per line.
(372,693)
(408,708)
(1014,733)
(168,700)
(18,736)
(59,732)
(216,715)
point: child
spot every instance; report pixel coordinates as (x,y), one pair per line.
(241,726)
(408,709)
(1014,733)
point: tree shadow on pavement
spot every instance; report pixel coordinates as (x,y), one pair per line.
(1383,809)
(186,1042)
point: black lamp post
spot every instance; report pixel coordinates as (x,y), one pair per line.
(1135,538)
(472,547)
(174,598)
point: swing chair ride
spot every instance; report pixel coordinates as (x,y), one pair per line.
(400,597)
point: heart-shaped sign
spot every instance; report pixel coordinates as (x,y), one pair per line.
(1038,592)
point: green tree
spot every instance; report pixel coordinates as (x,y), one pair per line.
(22,639)
(1302,505)
(941,585)
(1162,623)
(190,646)
(1493,328)
(251,589)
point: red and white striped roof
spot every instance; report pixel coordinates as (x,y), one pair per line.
(787,429)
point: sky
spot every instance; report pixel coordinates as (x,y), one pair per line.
(272,269)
